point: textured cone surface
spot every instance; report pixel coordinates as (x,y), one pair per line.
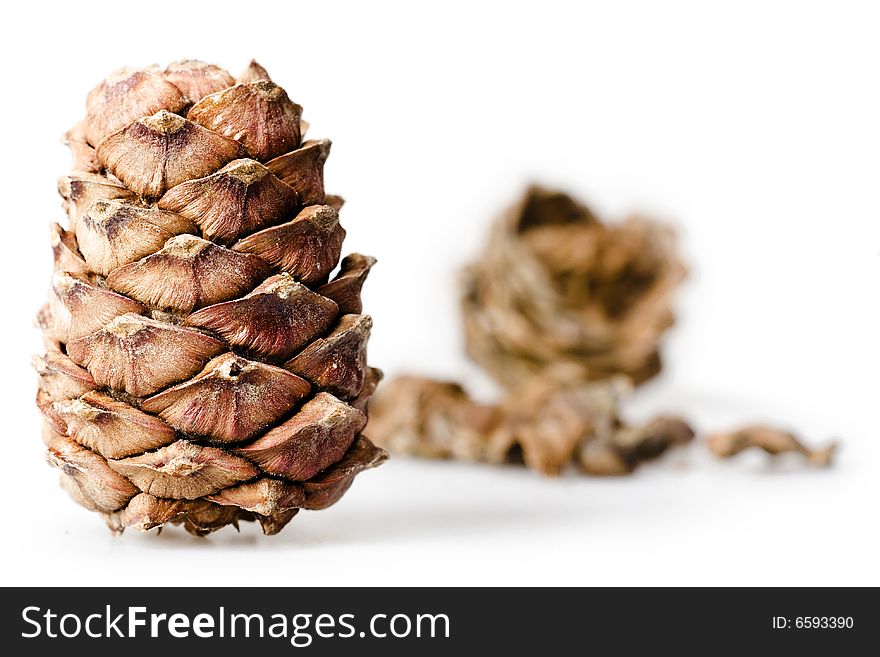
(203,367)
(560,294)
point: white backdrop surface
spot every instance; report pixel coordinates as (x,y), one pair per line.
(752,125)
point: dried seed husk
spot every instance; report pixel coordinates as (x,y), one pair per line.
(601,458)
(622,450)
(653,438)
(772,440)
(547,427)
(430,418)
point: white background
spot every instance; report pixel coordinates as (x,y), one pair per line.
(753,125)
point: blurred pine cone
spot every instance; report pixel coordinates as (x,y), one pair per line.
(201,368)
(558,293)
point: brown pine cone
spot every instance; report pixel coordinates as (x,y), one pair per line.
(560,294)
(201,367)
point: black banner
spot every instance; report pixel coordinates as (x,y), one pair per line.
(423,621)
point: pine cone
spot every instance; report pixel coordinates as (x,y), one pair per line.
(556,292)
(201,368)
(543,425)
